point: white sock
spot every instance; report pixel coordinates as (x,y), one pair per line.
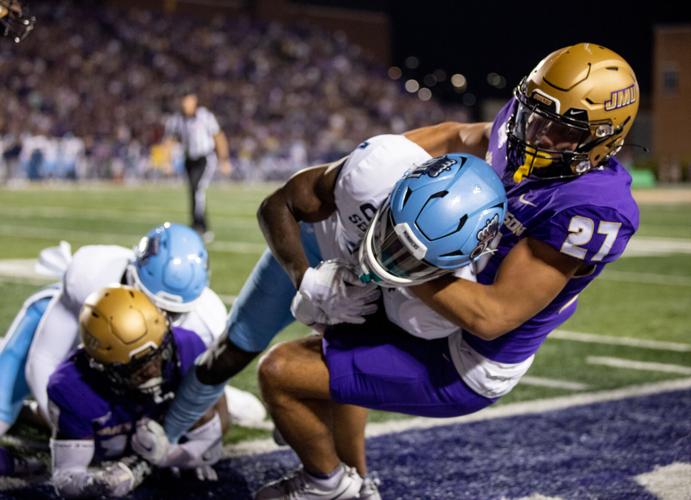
(329,481)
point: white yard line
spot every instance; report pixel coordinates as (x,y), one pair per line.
(553,383)
(511,410)
(669,482)
(228,299)
(592,338)
(232,221)
(638,365)
(94,238)
(650,246)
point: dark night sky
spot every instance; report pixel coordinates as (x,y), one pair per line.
(476,38)
(509,38)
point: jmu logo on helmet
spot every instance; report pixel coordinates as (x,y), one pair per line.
(620,98)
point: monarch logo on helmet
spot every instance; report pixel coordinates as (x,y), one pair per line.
(433,168)
(486,235)
(620,98)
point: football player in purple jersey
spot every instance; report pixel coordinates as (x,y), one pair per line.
(119,381)
(570,213)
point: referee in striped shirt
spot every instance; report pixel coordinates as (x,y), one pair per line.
(205,145)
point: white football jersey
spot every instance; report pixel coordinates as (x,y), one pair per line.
(366,179)
(94,267)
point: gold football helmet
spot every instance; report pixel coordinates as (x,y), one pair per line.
(573,112)
(14,20)
(126,337)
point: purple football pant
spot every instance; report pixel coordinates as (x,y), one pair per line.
(380,366)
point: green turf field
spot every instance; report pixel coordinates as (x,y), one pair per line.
(643,297)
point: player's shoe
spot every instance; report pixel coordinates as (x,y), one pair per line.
(208,237)
(298,485)
(370,489)
(245,408)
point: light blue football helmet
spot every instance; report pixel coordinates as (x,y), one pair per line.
(439,217)
(171,266)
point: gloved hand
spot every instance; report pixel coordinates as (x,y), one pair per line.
(120,478)
(206,473)
(150,441)
(331,293)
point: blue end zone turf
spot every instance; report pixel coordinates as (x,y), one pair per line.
(592,451)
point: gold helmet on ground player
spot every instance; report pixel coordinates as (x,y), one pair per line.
(126,337)
(573,113)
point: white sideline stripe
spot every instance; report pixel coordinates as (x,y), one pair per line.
(93,238)
(553,383)
(533,407)
(669,482)
(229,221)
(538,496)
(638,365)
(641,246)
(24,280)
(645,278)
(228,299)
(592,338)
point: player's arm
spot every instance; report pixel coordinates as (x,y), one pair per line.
(529,278)
(72,477)
(202,446)
(53,340)
(452,137)
(308,196)
(72,450)
(222,151)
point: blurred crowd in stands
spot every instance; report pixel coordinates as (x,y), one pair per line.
(87,94)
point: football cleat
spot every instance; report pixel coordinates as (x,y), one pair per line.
(300,485)
(370,489)
(244,408)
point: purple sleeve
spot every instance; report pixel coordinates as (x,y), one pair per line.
(189,346)
(589,233)
(65,414)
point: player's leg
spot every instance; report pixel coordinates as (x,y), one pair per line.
(55,337)
(207,173)
(194,170)
(294,381)
(13,356)
(390,370)
(260,312)
(349,423)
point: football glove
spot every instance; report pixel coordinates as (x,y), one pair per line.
(117,479)
(150,441)
(331,293)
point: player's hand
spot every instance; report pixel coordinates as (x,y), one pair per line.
(120,478)
(206,473)
(150,441)
(331,294)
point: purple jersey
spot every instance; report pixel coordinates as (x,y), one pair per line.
(84,405)
(591,217)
